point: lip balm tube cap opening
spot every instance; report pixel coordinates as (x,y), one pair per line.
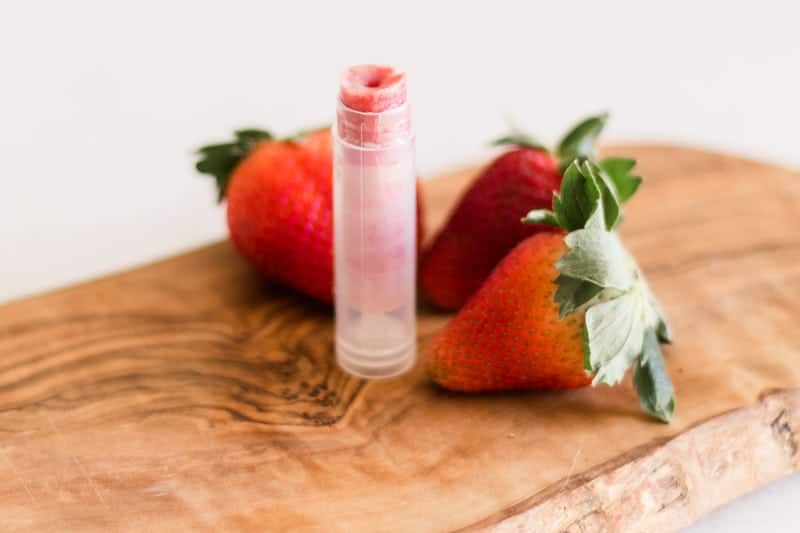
(373,109)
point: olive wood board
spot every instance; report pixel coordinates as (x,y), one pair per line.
(192,395)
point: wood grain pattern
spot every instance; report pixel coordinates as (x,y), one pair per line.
(193,395)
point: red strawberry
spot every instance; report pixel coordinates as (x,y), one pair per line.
(509,336)
(279,196)
(484,225)
(563,309)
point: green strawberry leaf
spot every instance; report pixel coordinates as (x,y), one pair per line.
(578,143)
(618,170)
(249,136)
(587,359)
(572,293)
(541,216)
(623,323)
(608,193)
(615,330)
(650,377)
(577,200)
(584,187)
(219,160)
(518,138)
(663,331)
(597,256)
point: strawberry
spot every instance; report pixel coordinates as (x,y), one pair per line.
(484,226)
(475,237)
(508,335)
(279,204)
(565,308)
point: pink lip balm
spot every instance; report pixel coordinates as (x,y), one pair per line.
(374,217)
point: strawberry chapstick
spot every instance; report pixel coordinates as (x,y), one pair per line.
(374,217)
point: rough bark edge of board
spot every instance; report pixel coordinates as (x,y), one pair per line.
(667,484)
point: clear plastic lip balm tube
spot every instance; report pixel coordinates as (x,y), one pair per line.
(374,214)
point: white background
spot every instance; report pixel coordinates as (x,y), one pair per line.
(102,103)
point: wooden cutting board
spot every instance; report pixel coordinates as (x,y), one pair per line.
(193,395)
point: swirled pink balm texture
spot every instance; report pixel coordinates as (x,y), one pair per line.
(374,224)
